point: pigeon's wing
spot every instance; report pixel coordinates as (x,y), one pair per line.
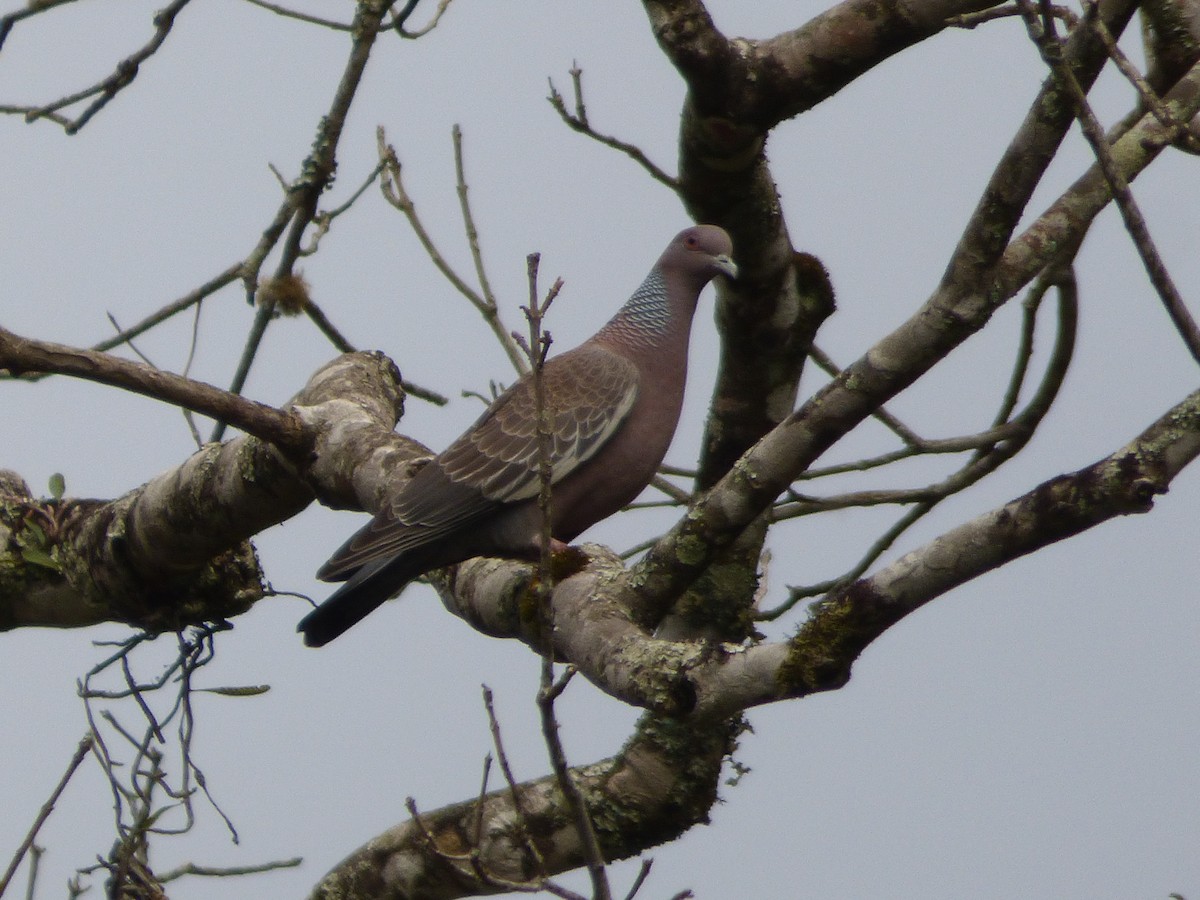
(589,392)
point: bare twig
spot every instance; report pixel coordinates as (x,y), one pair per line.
(143,790)
(468,218)
(229,871)
(1041,30)
(578,121)
(11,109)
(187,301)
(1006,440)
(31,9)
(1150,99)
(397,195)
(642,875)
(82,750)
(188,416)
(300,206)
(193,343)
(287,13)
(324,218)
(510,780)
(1006,11)
(902,431)
(677,495)
(549,689)
(124,74)
(396,23)
(400,19)
(19,355)
(536,350)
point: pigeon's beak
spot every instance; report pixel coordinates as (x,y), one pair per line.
(726,266)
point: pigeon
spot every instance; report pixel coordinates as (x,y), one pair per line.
(613,404)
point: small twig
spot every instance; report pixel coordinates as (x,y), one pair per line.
(124,74)
(975,19)
(826,364)
(10,109)
(549,689)
(136,693)
(82,750)
(394,191)
(1020,428)
(578,121)
(677,471)
(1041,31)
(398,22)
(514,794)
(31,9)
(1149,97)
(300,205)
(877,549)
(303,17)
(177,306)
(35,862)
(132,346)
(536,351)
(468,218)
(926,447)
(642,875)
(193,344)
(19,355)
(677,495)
(423,393)
(323,219)
(188,416)
(229,871)
(1007,11)
(134,783)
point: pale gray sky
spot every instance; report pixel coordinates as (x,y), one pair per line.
(1031,734)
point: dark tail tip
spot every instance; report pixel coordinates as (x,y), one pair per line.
(350,604)
(318,630)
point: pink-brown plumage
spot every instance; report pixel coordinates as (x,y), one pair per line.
(615,402)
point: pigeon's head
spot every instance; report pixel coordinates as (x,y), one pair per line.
(703,252)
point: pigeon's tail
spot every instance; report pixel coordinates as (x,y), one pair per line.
(356,599)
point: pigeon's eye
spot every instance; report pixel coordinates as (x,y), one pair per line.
(692,242)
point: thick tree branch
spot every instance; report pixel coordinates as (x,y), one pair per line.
(662,783)
(1171,29)
(175,551)
(737,91)
(962,305)
(820,656)
(769,81)
(1064,223)
(1123,483)
(595,630)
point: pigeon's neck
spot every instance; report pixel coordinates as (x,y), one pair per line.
(646,320)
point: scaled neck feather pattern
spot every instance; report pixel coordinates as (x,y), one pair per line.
(645,319)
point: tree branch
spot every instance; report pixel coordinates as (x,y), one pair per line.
(300,206)
(710,683)
(663,782)
(974,286)
(173,552)
(20,355)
